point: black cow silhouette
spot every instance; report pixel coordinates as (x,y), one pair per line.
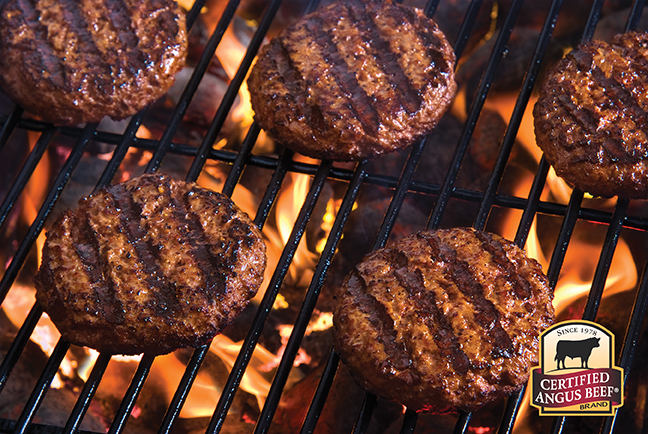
(574,349)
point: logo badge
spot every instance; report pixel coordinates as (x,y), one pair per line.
(577,375)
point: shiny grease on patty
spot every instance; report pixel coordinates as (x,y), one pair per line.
(590,117)
(443,321)
(149,266)
(354,80)
(71,62)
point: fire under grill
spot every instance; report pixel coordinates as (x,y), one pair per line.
(478,168)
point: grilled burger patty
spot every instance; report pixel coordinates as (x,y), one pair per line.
(149,265)
(353,80)
(71,62)
(590,118)
(444,320)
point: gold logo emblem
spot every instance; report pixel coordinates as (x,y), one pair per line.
(577,375)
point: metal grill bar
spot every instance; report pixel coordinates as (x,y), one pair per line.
(21,180)
(630,342)
(473,115)
(598,283)
(232,89)
(85,397)
(41,387)
(605,260)
(17,262)
(306,310)
(268,299)
(134,389)
(516,118)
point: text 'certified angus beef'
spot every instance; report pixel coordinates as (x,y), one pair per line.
(71,62)
(354,80)
(149,266)
(443,321)
(591,120)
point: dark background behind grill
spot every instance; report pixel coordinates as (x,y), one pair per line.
(485,204)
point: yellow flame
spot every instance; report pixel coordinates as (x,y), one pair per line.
(253,380)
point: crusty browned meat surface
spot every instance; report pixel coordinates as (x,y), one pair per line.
(590,118)
(71,62)
(444,320)
(354,80)
(149,265)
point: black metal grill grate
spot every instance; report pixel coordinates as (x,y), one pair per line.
(623,216)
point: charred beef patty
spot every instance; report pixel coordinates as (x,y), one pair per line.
(353,80)
(149,265)
(71,62)
(590,118)
(444,320)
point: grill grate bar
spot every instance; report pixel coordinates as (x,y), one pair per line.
(308,305)
(635,15)
(473,115)
(19,257)
(239,164)
(321,393)
(231,93)
(272,191)
(269,297)
(199,354)
(41,387)
(120,151)
(409,422)
(533,204)
(605,260)
(134,389)
(194,81)
(364,416)
(86,395)
(18,344)
(515,400)
(466,26)
(23,177)
(9,125)
(518,112)
(183,388)
(399,195)
(566,230)
(631,339)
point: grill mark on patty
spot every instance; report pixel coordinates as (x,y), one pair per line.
(424,304)
(431,42)
(380,320)
(122,22)
(521,286)
(439,65)
(86,47)
(194,236)
(163,292)
(43,55)
(120,18)
(486,314)
(403,91)
(356,99)
(581,115)
(291,80)
(97,268)
(623,100)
